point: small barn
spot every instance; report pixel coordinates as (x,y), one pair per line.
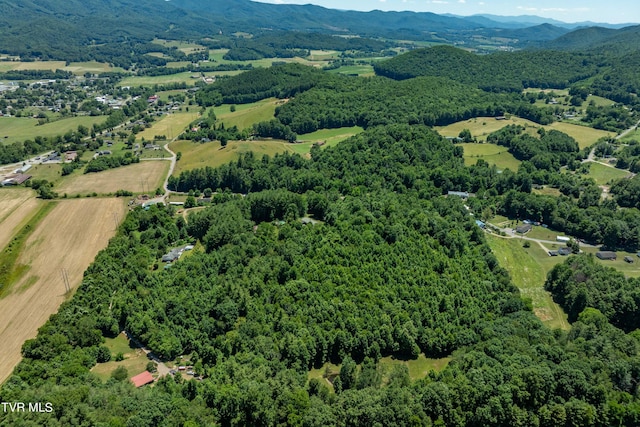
(606,255)
(628,259)
(524,228)
(142,379)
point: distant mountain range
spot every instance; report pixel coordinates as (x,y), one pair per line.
(30,27)
(523,21)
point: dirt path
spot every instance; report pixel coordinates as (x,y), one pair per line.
(68,238)
(162,368)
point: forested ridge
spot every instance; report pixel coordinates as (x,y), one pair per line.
(393,268)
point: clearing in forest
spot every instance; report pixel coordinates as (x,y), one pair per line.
(68,238)
(491,153)
(602,174)
(246,115)
(480,127)
(528,268)
(196,155)
(143,177)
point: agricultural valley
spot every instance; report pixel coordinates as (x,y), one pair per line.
(205,222)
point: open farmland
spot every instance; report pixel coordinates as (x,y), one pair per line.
(491,153)
(246,115)
(22,128)
(584,135)
(69,237)
(195,155)
(145,176)
(17,206)
(480,127)
(169,126)
(78,68)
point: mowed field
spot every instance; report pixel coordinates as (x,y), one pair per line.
(491,153)
(247,114)
(169,126)
(74,67)
(603,174)
(480,127)
(528,268)
(17,206)
(69,237)
(22,128)
(196,155)
(145,176)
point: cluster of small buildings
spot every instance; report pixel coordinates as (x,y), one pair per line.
(19,176)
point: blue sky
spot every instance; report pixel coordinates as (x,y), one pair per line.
(611,11)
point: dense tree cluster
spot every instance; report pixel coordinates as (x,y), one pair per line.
(105,162)
(551,150)
(582,282)
(497,72)
(280,81)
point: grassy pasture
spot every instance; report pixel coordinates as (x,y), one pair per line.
(602,174)
(69,237)
(52,172)
(331,135)
(585,136)
(158,80)
(480,127)
(184,46)
(528,268)
(364,70)
(247,114)
(322,55)
(196,155)
(145,176)
(491,153)
(77,68)
(23,128)
(169,125)
(135,360)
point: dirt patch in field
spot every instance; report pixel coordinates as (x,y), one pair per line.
(69,238)
(141,177)
(543,314)
(16,206)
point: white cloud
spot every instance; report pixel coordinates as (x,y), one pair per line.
(461,1)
